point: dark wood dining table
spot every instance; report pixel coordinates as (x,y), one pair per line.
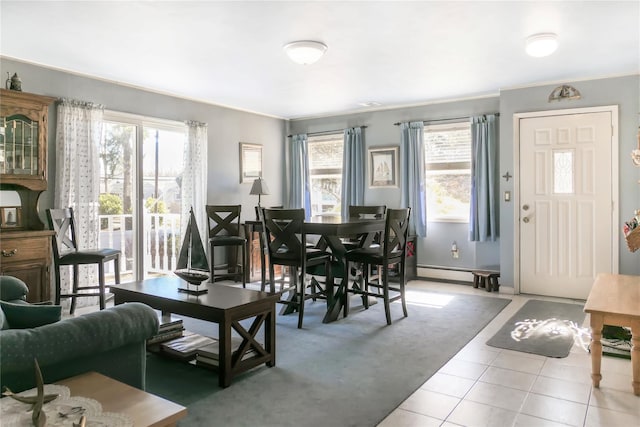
(331,230)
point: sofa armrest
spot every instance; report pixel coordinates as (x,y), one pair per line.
(74,339)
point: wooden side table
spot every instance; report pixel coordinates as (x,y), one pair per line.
(143,408)
(614,300)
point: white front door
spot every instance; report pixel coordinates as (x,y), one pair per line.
(566,204)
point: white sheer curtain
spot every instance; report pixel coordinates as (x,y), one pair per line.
(78,137)
(194,177)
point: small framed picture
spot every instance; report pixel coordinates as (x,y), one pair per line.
(383,166)
(11,217)
(250,162)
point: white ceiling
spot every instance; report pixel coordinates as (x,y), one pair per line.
(395,53)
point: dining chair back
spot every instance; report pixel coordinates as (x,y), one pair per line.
(284,238)
(66,252)
(391,252)
(224,231)
(365,212)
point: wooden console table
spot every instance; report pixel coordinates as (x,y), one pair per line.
(614,300)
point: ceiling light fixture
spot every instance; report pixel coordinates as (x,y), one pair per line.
(305,52)
(543,44)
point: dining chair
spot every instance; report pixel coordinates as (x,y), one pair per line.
(392,251)
(284,238)
(66,252)
(363,212)
(224,231)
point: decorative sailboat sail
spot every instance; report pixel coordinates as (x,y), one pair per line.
(192,263)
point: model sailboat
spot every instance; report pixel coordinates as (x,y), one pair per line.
(192,263)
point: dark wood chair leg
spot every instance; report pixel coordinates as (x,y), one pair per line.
(101,285)
(402,289)
(345,296)
(385,291)
(244,266)
(301,298)
(74,288)
(58,290)
(116,269)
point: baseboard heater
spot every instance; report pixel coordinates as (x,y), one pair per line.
(437,272)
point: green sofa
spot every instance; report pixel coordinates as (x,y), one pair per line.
(111,342)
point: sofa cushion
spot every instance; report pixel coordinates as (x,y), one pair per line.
(22,316)
(12,288)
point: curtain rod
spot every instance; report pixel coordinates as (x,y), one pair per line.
(329,131)
(447,120)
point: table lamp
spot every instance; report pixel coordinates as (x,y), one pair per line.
(259,187)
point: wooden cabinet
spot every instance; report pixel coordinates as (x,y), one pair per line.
(26,255)
(25,247)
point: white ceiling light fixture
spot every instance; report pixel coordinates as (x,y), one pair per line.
(305,52)
(542,44)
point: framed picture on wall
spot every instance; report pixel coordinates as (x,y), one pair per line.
(250,162)
(383,166)
(11,217)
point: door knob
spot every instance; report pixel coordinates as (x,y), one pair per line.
(525,207)
(525,219)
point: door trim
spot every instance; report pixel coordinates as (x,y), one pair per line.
(615,178)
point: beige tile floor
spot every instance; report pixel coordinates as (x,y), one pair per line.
(488,386)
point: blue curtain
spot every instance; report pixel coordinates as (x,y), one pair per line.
(483,218)
(353,170)
(299,194)
(412,176)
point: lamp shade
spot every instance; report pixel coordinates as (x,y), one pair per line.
(259,187)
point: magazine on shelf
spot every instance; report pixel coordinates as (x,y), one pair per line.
(209,354)
(166,336)
(186,346)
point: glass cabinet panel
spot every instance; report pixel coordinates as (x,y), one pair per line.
(19,146)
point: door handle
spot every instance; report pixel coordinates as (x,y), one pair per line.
(525,207)
(525,219)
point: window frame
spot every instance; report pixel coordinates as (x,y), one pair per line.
(462,167)
(326,172)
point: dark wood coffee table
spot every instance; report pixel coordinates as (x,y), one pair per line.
(224,305)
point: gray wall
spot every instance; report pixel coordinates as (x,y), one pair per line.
(226,129)
(621,91)
(435,249)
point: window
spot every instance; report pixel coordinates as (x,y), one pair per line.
(325,173)
(448,171)
(141,164)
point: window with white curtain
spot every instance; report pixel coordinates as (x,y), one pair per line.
(325,173)
(448,171)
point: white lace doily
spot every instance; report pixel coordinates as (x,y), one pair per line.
(14,413)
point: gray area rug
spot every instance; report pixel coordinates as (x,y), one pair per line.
(541,327)
(352,372)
